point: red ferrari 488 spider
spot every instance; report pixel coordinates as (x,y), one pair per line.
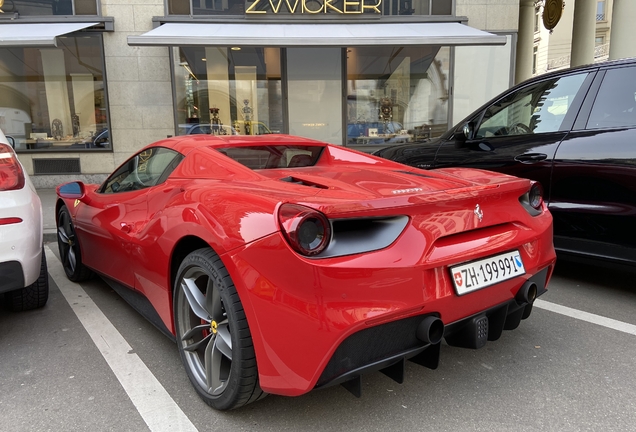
(281,264)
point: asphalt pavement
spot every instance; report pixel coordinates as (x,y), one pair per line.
(47,197)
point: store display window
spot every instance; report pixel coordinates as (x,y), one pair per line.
(49,7)
(228,90)
(53,99)
(396,94)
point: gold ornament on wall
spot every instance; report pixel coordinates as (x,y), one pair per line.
(552,12)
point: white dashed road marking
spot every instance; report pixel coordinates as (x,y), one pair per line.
(154,404)
(586,316)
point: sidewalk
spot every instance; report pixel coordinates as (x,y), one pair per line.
(48,196)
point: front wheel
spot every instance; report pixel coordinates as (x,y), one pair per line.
(212,334)
(69,248)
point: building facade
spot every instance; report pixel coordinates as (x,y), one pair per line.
(85,83)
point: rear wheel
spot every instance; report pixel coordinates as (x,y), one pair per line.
(31,297)
(69,248)
(213,337)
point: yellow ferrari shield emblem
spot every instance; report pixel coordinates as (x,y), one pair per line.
(77,202)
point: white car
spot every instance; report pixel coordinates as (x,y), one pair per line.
(23,273)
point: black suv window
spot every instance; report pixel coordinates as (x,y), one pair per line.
(538,108)
(615,104)
(143,170)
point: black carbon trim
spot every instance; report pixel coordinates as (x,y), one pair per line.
(372,346)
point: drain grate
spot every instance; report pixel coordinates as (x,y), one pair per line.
(56,166)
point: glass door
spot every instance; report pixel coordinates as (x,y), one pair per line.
(314,80)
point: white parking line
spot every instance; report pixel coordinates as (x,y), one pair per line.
(157,408)
(586,316)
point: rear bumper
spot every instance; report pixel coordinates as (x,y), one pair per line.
(301,311)
(385,347)
(20,243)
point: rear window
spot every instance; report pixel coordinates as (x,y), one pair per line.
(273,157)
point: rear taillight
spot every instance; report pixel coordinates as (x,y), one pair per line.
(10,220)
(535,196)
(11,175)
(307,230)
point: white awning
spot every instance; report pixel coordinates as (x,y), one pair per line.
(37,34)
(308,34)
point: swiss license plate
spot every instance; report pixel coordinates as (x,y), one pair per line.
(486,272)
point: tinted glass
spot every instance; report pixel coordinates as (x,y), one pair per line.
(615,104)
(537,108)
(272,157)
(143,170)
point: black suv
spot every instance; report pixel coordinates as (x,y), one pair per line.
(574,131)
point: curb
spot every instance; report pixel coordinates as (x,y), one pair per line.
(50,236)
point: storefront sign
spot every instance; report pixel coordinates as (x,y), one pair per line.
(313,6)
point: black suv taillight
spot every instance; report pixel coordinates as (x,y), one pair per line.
(11,175)
(307,230)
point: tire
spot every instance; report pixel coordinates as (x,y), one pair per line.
(70,253)
(214,339)
(32,297)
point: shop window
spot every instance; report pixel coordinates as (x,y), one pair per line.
(53,99)
(49,7)
(228,91)
(396,94)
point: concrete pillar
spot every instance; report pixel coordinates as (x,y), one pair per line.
(622,38)
(583,32)
(525,41)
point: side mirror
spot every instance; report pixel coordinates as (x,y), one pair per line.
(466,132)
(74,190)
(11,141)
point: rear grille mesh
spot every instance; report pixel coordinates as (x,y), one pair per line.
(371,345)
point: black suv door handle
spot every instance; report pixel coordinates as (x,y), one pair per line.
(531,157)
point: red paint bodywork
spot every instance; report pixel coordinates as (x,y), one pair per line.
(299,309)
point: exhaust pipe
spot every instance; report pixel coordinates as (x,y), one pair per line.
(527,293)
(430,330)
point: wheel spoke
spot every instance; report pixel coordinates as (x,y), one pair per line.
(213,301)
(198,329)
(62,235)
(71,258)
(196,299)
(223,341)
(213,359)
(195,346)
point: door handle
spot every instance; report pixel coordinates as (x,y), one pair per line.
(531,157)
